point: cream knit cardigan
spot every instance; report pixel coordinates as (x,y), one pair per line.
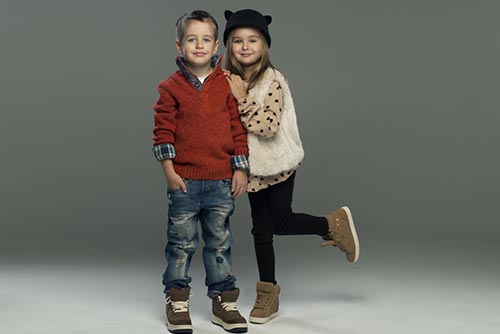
(283,151)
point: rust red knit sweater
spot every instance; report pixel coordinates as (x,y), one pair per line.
(203,125)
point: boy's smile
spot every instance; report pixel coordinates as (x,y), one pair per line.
(198,46)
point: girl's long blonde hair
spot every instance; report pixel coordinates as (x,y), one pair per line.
(258,69)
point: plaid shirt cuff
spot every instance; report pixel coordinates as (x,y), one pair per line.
(164,151)
(240,162)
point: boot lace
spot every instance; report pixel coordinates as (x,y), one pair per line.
(178,306)
(263,299)
(229,306)
(336,240)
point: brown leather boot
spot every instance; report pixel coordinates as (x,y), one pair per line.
(342,234)
(178,319)
(266,303)
(225,312)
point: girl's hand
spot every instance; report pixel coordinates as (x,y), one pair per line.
(239,184)
(237,85)
(226,72)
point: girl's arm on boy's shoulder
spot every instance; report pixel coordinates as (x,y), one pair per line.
(262,120)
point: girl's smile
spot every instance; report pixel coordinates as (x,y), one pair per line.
(246,45)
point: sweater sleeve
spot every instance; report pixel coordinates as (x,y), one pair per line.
(237,129)
(262,120)
(164,118)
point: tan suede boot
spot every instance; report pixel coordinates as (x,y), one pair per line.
(342,234)
(266,303)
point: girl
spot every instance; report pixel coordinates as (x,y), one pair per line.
(275,152)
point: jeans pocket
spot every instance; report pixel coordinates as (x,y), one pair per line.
(226,182)
(186,182)
(171,191)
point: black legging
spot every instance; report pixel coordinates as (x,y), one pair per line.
(272,214)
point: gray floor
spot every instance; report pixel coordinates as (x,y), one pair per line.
(414,287)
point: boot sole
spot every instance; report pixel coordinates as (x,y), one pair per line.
(354,234)
(256,320)
(180,329)
(231,328)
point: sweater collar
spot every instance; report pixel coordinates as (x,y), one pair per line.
(215,62)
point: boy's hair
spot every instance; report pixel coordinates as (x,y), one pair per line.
(198,15)
(259,68)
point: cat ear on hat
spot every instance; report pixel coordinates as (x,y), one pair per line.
(228,14)
(268,18)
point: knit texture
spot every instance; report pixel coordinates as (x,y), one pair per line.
(203,125)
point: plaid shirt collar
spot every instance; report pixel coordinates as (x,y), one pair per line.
(190,77)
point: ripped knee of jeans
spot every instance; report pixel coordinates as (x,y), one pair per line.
(178,220)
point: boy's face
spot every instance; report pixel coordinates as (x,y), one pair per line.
(199,44)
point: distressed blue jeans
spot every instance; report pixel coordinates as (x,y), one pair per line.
(211,203)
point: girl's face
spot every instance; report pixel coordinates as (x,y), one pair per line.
(247,46)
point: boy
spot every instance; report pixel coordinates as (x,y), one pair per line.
(203,151)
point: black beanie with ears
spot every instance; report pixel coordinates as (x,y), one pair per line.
(247,18)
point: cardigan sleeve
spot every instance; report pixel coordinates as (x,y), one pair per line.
(262,120)
(164,118)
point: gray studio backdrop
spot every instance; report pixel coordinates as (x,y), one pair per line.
(397,103)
